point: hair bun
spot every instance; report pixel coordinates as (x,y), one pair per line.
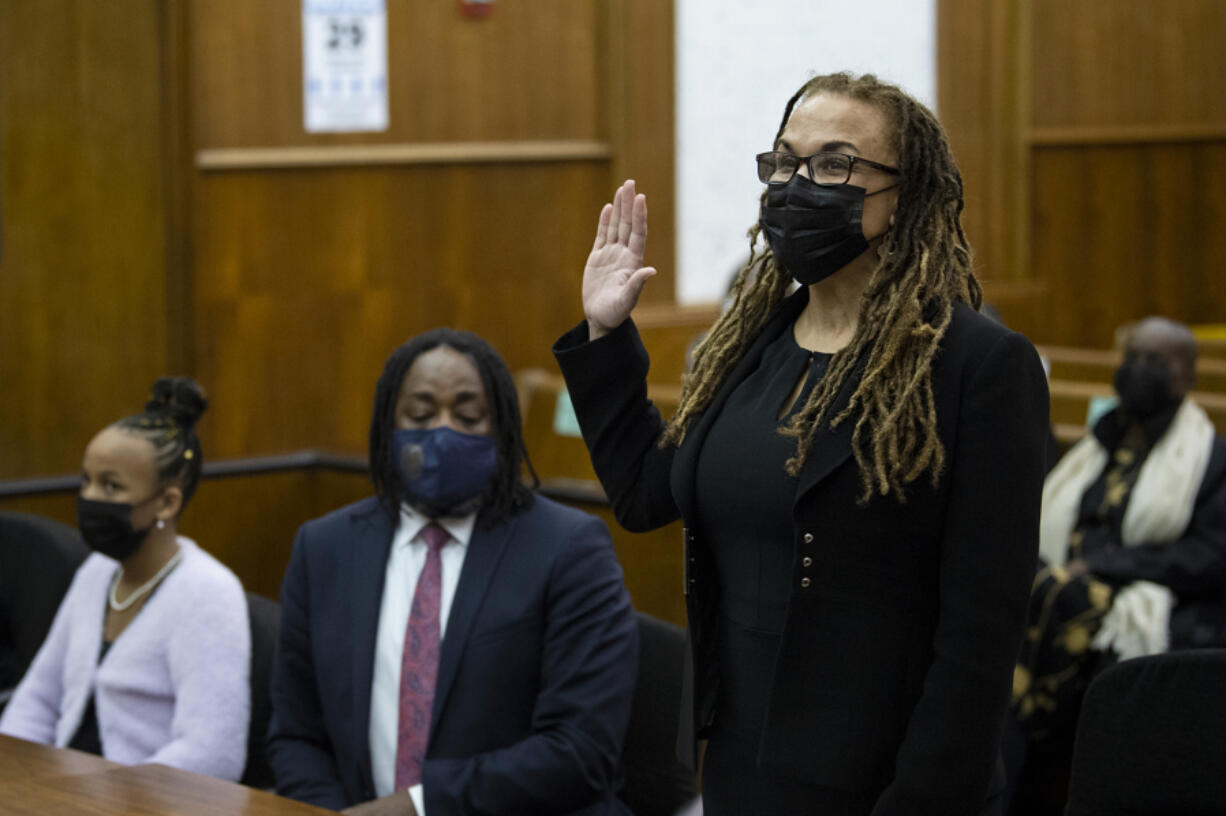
(179,398)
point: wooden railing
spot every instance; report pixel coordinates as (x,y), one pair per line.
(247,512)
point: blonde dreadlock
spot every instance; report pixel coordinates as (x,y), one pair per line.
(925,268)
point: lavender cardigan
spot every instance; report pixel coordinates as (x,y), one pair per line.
(172,689)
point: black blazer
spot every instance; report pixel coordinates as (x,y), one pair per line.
(905,620)
(536,671)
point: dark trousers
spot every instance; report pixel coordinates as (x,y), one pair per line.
(1037,773)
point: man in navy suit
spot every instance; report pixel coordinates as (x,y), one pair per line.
(456,643)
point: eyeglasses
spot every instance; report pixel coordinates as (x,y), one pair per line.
(824,168)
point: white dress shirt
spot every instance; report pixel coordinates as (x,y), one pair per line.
(404,565)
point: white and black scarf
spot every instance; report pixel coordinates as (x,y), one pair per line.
(1159,510)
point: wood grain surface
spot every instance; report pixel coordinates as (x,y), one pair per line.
(38,779)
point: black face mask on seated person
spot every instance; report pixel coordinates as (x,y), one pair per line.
(1144,387)
(107,527)
(814,230)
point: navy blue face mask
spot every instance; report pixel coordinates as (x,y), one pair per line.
(442,471)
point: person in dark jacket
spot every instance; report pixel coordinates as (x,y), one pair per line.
(858,465)
(1133,553)
(456,643)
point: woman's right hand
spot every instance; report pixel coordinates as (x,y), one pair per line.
(614,275)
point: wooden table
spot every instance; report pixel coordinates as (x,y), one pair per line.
(38,779)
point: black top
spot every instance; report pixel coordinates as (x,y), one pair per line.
(38,558)
(748,520)
(88,738)
(904,620)
(9,675)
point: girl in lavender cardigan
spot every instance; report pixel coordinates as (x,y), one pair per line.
(149,654)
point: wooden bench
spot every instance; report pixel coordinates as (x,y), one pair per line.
(1099,365)
(1070,402)
(1212,347)
(669,331)
(652,562)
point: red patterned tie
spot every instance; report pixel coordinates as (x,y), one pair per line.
(419,661)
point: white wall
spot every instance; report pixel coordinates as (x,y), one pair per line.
(738,62)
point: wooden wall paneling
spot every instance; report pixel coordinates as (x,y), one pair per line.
(178,169)
(1117,101)
(1127,231)
(308,280)
(968,45)
(283,291)
(639,109)
(1129,111)
(653,564)
(305,278)
(60,506)
(1129,62)
(249,523)
(280,158)
(1188,214)
(84,331)
(1017,86)
(528,71)
(983,67)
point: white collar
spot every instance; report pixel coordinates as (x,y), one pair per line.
(412,522)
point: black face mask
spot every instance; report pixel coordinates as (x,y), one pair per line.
(107,527)
(814,231)
(1144,387)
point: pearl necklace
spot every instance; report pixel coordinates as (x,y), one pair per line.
(144,588)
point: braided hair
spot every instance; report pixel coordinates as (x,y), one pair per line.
(508,494)
(924,269)
(169,424)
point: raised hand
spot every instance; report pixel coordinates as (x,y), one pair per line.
(614,275)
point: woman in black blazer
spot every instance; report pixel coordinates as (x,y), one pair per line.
(858,464)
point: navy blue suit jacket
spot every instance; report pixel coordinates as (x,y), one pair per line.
(536,671)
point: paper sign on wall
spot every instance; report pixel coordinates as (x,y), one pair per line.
(344,65)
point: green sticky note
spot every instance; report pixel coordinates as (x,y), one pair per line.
(565,423)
